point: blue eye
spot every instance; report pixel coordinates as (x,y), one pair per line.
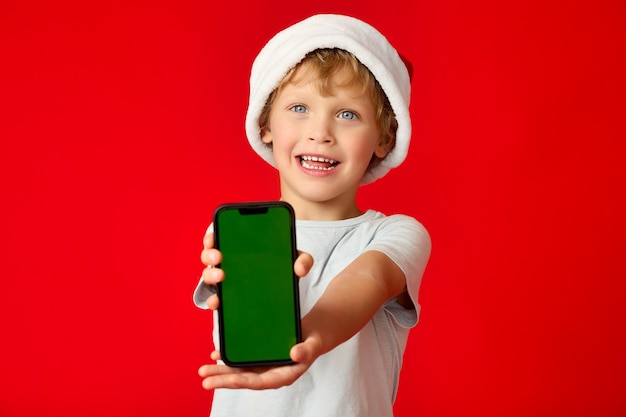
(347,114)
(298,108)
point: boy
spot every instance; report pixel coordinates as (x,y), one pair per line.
(328,108)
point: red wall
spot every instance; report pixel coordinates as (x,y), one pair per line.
(121,129)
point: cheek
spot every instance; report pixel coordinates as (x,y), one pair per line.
(366,152)
(283,135)
(281,146)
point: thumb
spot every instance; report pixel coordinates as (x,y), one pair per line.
(303,264)
(305,352)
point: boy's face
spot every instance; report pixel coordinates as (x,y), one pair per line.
(322,144)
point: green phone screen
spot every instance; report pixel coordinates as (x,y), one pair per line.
(259,305)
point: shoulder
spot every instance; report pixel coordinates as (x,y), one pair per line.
(401,225)
(404,239)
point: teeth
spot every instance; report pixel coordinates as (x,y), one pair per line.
(318,159)
(306,158)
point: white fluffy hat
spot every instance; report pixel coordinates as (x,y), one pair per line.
(287,48)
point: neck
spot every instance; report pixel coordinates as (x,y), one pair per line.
(322,211)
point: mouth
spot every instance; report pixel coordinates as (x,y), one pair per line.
(317,162)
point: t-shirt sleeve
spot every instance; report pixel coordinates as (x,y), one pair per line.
(201,293)
(407,242)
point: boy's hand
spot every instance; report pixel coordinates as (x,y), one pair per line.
(258,378)
(223,376)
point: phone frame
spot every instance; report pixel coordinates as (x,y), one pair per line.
(253,208)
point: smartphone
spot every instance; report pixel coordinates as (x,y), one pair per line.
(259,311)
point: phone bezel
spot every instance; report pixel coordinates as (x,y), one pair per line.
(256,206)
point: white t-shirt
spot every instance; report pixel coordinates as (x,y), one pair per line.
(358,378)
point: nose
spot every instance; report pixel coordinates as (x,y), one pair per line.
(321,130)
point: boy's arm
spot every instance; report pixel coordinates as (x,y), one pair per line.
(349,302)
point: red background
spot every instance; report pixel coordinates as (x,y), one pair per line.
(116,116)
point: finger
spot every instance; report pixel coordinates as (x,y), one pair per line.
(222,376)
(301,353)
(303,264)
(220,380)
(211,256)
(215,355)
(212,276)
(307,351)
(208,241)
(212,370)
(213,303)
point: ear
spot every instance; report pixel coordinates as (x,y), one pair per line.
(266,136)
(381,150)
